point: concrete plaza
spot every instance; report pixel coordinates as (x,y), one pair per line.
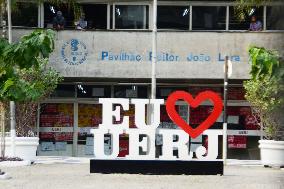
(72,173)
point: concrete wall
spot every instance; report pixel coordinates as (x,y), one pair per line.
(186,55)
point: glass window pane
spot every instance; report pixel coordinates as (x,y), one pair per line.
(164,92)
(173,17)
(236,24)
(93,91)
(56,129)
(130,91)
(208,18)
(131,17)
(236,93)
(64,91)
(89,117)
(25,14)
(274,18)
(95,15)
(111,16)
(50,11)
(195,90)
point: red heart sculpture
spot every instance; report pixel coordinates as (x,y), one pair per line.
(182,95)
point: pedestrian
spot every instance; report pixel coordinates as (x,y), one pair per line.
(58,21)
(255,25)
(81,24)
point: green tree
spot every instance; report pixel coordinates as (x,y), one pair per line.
(25,76)
(15,58)
(265,90)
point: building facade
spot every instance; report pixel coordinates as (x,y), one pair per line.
(112,59)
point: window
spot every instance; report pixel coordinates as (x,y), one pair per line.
(164,92)
(237,24)
(50,12)
(173,17)
(130,91)
(208,18)
(274,18)
(26,14)
(93,91)
(131,17)
(64,91)
(55,141)
(111,16)
(95,15)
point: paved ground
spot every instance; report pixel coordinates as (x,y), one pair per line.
(74,174)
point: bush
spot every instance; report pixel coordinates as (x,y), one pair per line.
(264,90)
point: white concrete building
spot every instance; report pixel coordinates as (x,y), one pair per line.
(112,58)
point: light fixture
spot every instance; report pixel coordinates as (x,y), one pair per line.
(134,87)
(80,87)
(52,9)
(251,11)
(185,12)
(118,11)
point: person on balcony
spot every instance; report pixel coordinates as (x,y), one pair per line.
(81,24)
(255,25)
(58,21)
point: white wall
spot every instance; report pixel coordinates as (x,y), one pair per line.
(93,43)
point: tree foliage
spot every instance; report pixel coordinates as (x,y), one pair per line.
(25,53)
(26,77)
(265,90)
(20,60)
(265,63)
(37,83)
(243,8)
